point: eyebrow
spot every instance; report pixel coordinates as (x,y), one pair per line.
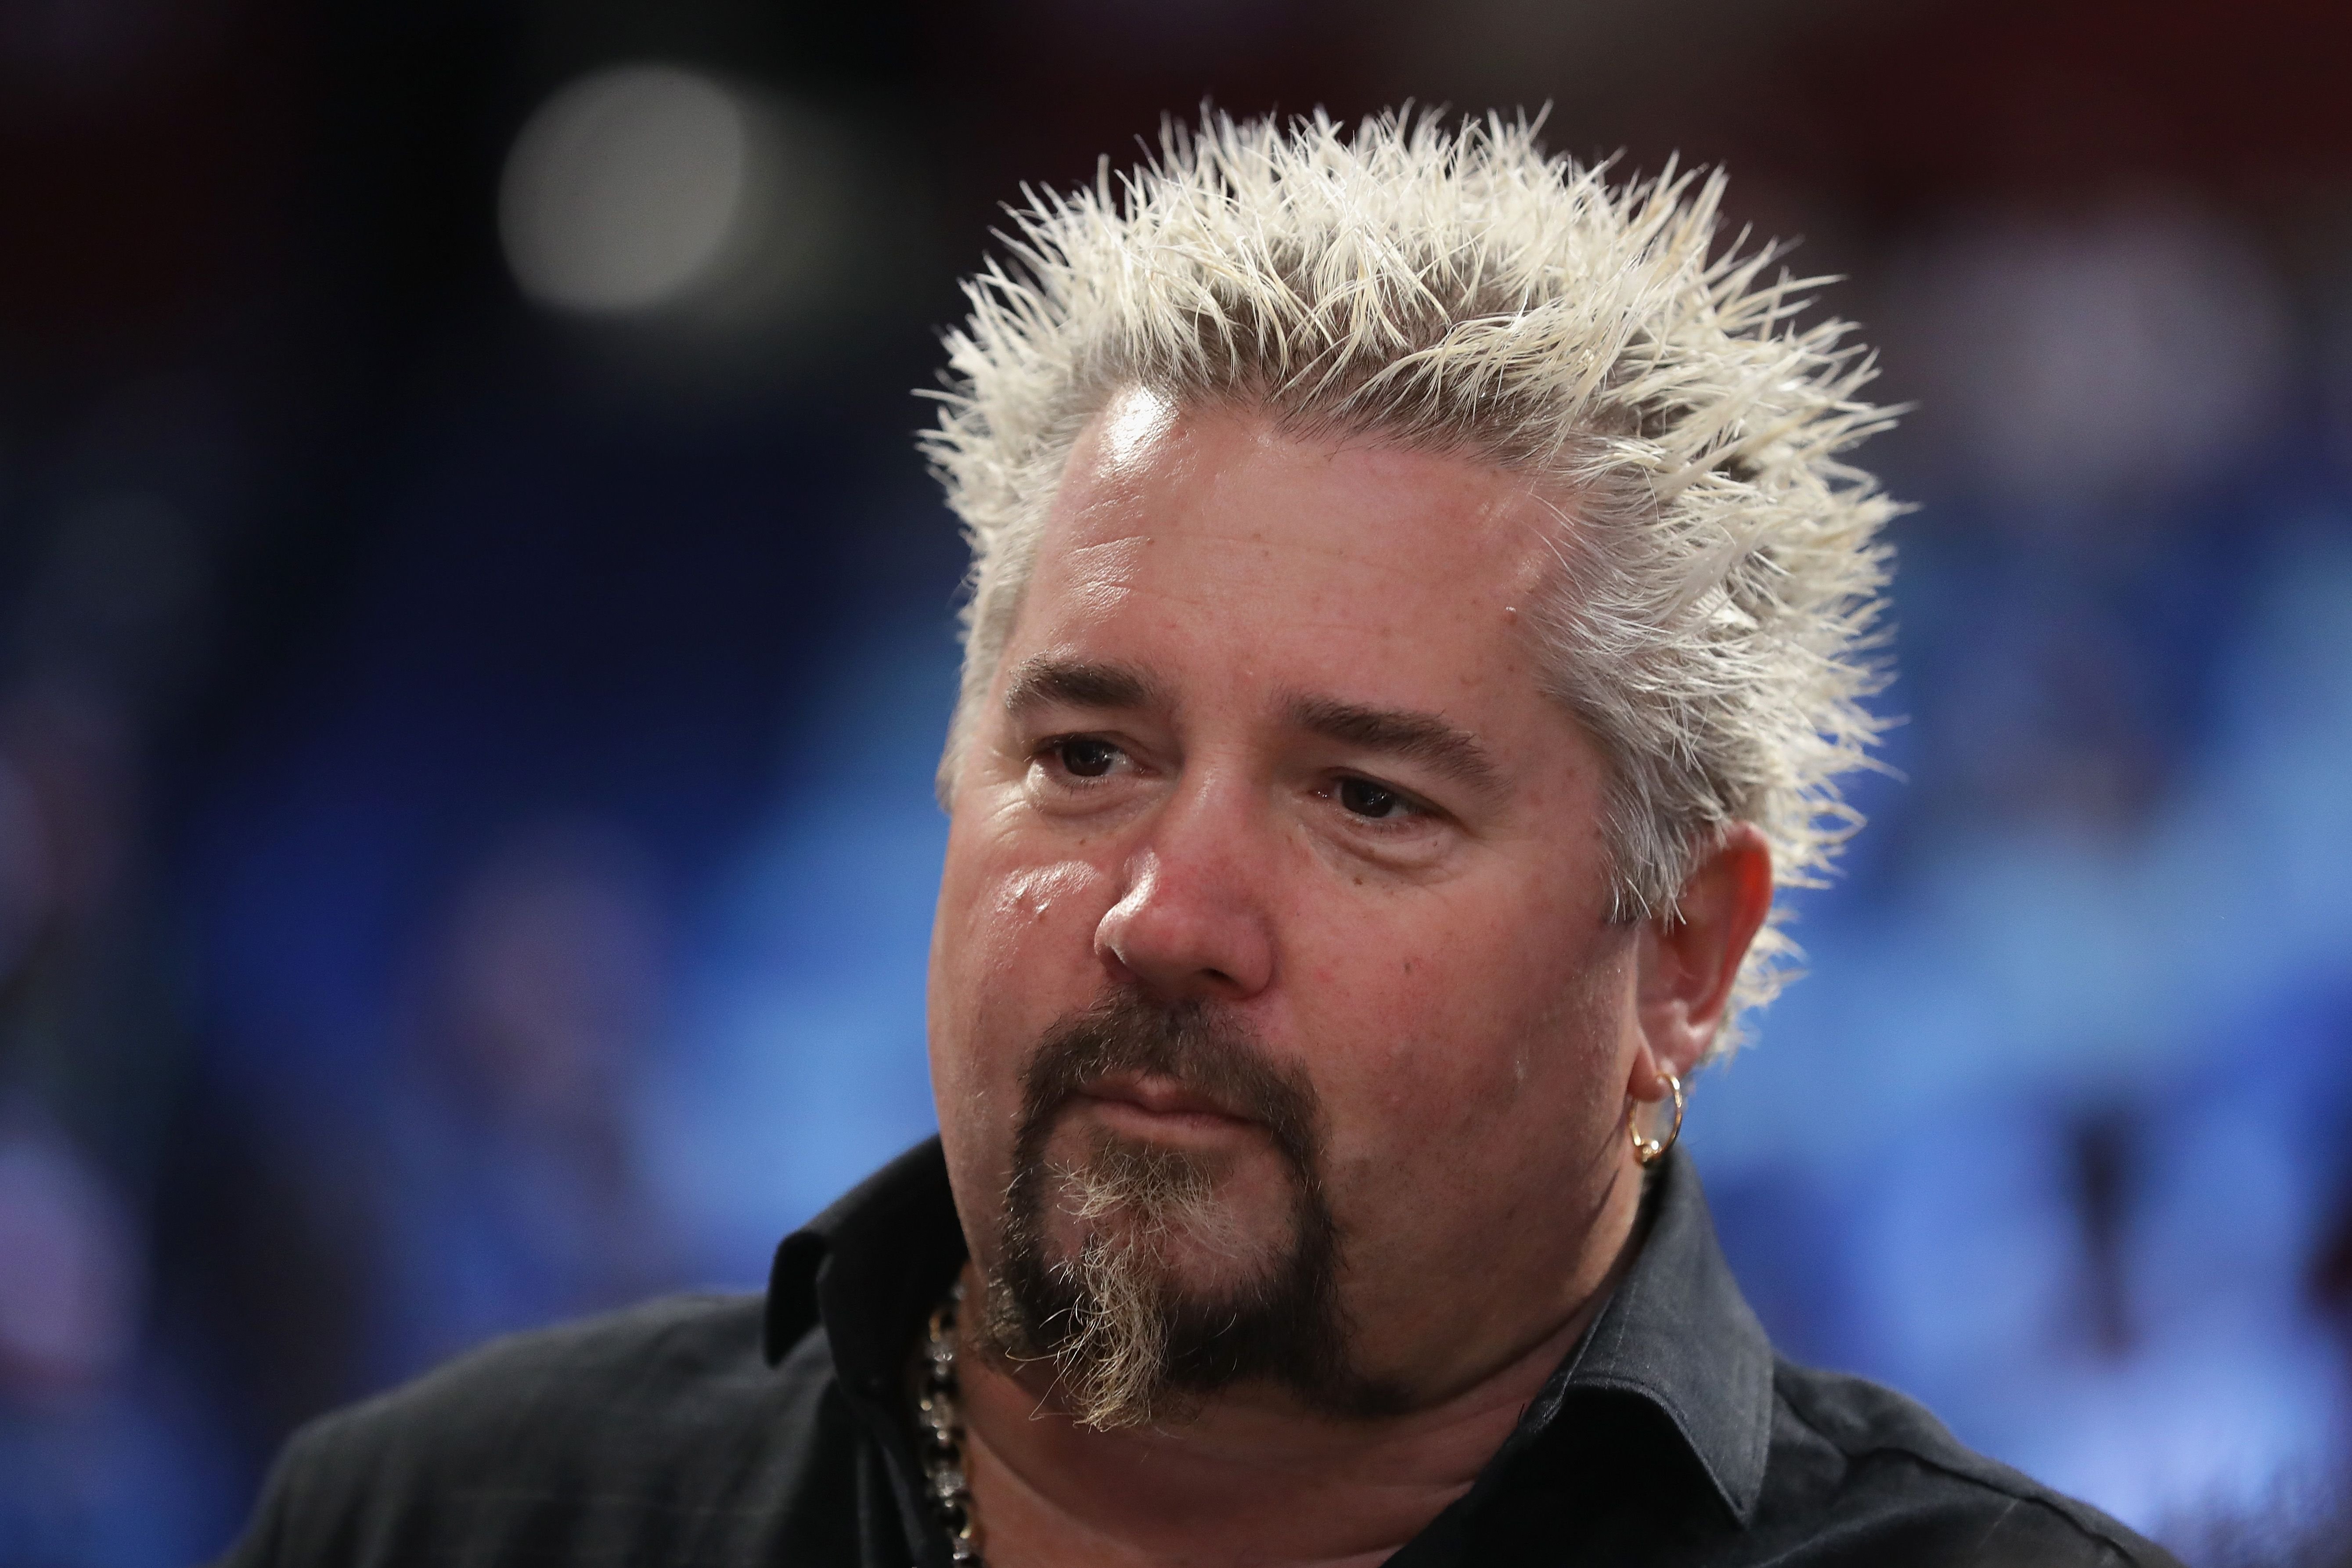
(1049,683)
(1421,737)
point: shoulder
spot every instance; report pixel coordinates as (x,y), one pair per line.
(663,1412)
(1893,1475)
(597,1381)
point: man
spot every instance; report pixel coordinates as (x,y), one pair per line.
(1417,617)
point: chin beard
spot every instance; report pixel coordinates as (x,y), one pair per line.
(1132,1339)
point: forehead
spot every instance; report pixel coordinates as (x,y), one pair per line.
(1219,515)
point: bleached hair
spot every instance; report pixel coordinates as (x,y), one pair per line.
(1457,289)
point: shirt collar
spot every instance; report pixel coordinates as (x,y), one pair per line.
(871,1266)
(1677,1333)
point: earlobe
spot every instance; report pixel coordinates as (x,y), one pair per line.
(1689,959)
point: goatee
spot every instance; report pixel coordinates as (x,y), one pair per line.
(1131,1340)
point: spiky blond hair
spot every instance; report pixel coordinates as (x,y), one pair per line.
(1453,288)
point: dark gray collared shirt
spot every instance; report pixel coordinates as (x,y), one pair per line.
(722,1430)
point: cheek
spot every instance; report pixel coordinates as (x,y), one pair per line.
(1033,926)
(1011,952)
(1012,948)
(1472,1030)
(1478,1130)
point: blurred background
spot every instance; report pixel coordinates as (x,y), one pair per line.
(474,638)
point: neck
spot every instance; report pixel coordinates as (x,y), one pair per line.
(1250,1477)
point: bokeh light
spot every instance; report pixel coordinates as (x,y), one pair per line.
(629,188)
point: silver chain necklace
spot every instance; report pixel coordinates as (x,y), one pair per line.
(939,1408)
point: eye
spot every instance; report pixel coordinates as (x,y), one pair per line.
(1364,798)
(1084,756)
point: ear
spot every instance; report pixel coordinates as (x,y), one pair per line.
(1687,960)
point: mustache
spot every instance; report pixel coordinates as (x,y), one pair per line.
(1194,1043)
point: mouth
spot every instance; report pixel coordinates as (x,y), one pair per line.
(1149,1105)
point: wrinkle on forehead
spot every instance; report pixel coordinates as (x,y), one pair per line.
(1094,578)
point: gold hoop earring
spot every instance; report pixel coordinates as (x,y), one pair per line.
(1648,1152)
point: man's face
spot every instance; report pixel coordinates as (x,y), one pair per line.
(1271,960)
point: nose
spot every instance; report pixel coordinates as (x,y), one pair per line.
(1193,923)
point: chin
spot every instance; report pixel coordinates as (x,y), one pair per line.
(1149,1276)
(1207,1223)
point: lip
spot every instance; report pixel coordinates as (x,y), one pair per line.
(1161,1102)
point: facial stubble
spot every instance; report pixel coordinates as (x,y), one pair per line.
(1131,1340)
